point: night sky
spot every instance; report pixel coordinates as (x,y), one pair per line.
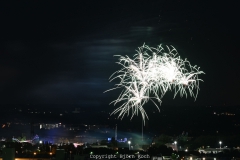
(55,52)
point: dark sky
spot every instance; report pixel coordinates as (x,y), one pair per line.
(55,52)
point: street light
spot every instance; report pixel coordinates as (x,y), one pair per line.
(129,142)
(34,154)
(220,142)
(50,155)
(175,142)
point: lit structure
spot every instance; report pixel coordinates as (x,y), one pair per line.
(220,142)
(129,142)
(211,150)
(175,143)
(149,75)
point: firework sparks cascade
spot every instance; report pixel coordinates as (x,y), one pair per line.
(149,75)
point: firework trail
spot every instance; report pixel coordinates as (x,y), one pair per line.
(149,75)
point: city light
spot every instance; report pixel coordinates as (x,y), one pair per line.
(129,142)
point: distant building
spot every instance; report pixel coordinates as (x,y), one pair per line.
(99,146)
(172,145)
(78,144)
(50,126)
(212,150)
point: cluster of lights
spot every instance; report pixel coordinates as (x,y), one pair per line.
(149,75)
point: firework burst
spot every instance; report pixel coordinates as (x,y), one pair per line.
(149,75)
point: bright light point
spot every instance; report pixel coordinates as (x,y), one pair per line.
(129,142)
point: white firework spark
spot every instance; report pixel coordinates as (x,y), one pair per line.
(149,75)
